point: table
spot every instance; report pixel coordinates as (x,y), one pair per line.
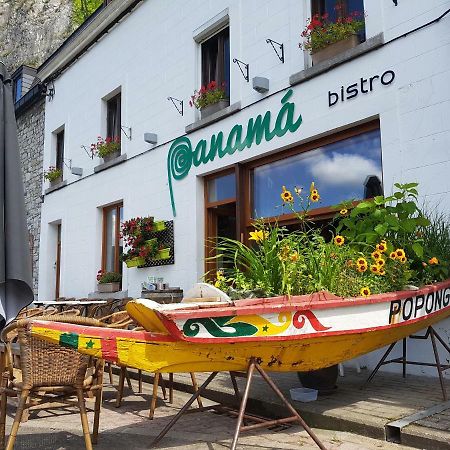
(60,304)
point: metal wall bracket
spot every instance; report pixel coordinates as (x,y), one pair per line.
(395,2)
(243,67)
(89,153)
(178,104)
(280,51)
(65,161)
(126,133)
(50,90)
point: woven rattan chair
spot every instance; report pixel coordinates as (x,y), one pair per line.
(49,372)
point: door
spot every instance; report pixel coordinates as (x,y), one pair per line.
(58,261)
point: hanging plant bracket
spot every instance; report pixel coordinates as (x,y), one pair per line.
(243,67)
(50,90)
(178,104)
(65,161)
(89,153)
(280,51)
(126,133)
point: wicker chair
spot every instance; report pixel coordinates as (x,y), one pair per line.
(49,372)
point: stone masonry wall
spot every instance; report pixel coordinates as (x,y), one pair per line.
(30,131)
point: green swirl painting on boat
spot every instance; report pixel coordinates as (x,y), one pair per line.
(182,155)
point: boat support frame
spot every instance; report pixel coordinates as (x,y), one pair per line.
(241,425)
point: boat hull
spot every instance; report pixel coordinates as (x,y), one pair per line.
(155,352)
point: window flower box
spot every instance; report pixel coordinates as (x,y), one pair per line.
(213,108)
(108,287)
(334,49)
(53,175)
(111,156)
(209,99)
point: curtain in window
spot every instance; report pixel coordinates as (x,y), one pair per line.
(113,119)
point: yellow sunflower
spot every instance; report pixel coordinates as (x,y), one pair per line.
(374,268)
(393,255)
(381,247)
(339,240)
(376,255)
(362,268)
(361,261)
(380,262)
(286,196)
(343,212)
(400,253)
(314,197)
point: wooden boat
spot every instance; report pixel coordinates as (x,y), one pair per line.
(283,334)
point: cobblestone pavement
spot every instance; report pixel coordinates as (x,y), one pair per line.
(128,427)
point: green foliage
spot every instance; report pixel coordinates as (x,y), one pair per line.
(52,174)
(82,9)
(109,277)
(396,218)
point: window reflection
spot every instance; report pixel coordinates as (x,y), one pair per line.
(344,170)
(222,188)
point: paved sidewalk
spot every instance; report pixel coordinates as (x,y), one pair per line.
(128,428)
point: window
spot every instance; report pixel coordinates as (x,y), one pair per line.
(220,201)
(17,89)
(112,242)
(113,116)
(345,166)
(337,9)
(60,150)
(216,60)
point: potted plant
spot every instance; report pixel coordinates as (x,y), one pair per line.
(108,281)
(210,99)
(139,238)
(53,175)
(325,39)
(107,149)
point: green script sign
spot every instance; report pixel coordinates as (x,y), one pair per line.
(182,156)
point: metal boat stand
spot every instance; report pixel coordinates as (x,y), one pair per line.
(433,336)
(241,425)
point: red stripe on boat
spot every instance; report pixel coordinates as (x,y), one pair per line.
(109,349)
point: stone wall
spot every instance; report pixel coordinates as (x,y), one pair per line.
(30,131)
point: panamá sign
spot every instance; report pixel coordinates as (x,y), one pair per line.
(182,156)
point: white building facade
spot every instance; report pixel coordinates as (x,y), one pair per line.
(381,109)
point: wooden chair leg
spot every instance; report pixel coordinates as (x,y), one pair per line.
(17,418)
(195,385)
(4,400)
(120,387)
(170,387)
(97,409)
(110,373)
(162,383)
(127,376)
(140,381)
(154,396)
(84,420)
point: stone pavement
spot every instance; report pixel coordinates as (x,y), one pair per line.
(387,398)
(128,428)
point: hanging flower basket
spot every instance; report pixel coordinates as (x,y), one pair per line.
(135,262)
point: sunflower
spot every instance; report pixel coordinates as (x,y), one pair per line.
(339,240)
(314,197)
(400,253)
(433,261)
(403,259)
(376,255)
(374,268)
(393,255)
(286,196)
(365,291)
(362,268)
(343,212)
(381,247)
(382,271)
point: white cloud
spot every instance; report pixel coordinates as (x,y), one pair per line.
(342,169)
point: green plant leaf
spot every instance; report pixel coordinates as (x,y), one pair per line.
(379,200)
(381,229)
(409,225)
(418,249)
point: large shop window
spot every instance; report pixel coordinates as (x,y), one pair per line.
(112,247)
(345,166)
(216,60)
(60,150)
(114,116)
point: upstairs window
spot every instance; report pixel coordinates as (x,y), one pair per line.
(338,9)
(60,150)
(114,117)
(17,89)
(216,59)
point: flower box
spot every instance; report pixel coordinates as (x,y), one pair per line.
(57,181)
(214,107)
(334,49)
(164,253)
(135,262)
(108,287)
(110,156)
(159,226)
